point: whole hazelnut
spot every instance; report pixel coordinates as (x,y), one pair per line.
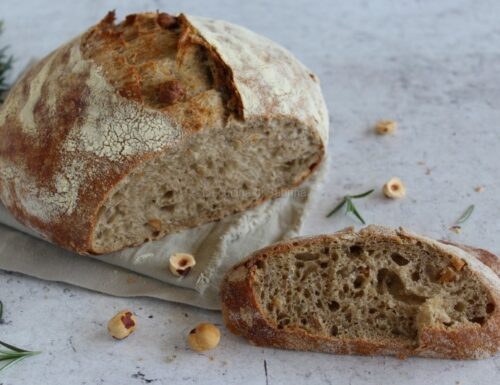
(122,324)
(181,263)
(394,189)
(203,337)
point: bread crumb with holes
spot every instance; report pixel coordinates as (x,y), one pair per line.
(394,189)
(384,127)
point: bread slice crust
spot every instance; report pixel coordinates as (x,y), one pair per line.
(244,312)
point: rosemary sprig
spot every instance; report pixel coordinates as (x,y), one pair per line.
(466,215)
(5,66)
(350,208)
(9,354)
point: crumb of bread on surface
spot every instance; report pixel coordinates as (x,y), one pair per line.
(479,189)
(456,229)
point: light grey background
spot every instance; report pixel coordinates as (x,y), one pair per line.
(432,66)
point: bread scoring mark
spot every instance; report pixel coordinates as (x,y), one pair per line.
(176,71)
(269,80)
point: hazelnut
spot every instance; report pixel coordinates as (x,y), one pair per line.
(122,324)
(457,263)
(447,275)
(155,224)
(394,189)
(384,127)
(203,337)
(181,263)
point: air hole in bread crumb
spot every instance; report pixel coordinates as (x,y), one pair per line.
(490,307)
(334,330)
(358,281)
(306,256)
(168,194)
(415,276)
(399,259)
(168,208)
(460,307)
(355,250)
(478,320)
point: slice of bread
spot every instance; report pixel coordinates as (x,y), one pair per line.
(377,291)
(137,129)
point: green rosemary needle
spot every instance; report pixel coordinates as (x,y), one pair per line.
(350,208)
(10,355)
(466,215)
(5,66)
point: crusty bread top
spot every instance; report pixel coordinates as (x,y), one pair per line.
(290,94)
(70,131)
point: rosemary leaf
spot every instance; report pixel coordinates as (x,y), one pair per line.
(15,361)
(10,354)
(350,208)
(6,62)
(362,195)
(337,208)
(11,347)
(13,355)
(466,215)
(353,210)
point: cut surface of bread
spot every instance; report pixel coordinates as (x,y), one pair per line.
(211,176)
(373,292)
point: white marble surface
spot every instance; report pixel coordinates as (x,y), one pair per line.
(432,66)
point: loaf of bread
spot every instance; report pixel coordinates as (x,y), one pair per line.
(377,291)
(158,123)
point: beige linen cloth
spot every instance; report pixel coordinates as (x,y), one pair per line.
(143,271)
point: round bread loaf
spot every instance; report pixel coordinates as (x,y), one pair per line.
(159,123)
